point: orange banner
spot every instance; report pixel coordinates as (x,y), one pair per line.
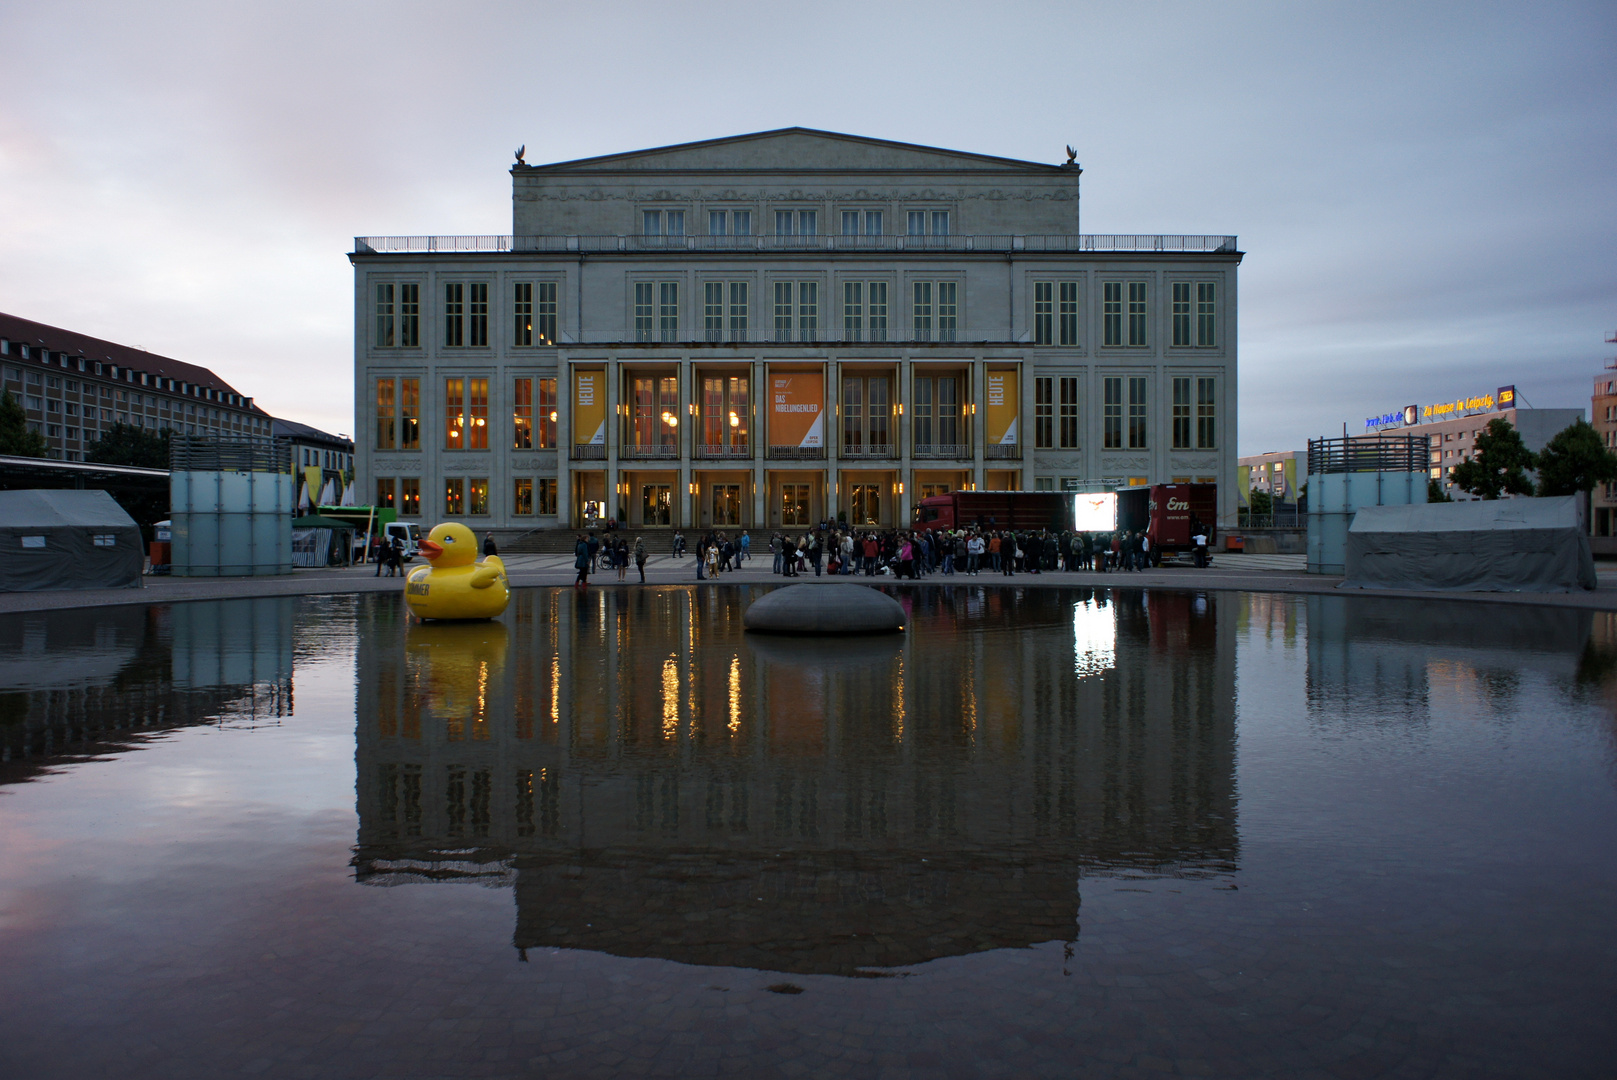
(797,409)
(589,408)
(1004,405)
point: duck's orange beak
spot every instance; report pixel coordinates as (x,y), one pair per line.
(430,550)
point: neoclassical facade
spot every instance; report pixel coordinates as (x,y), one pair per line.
(773,329)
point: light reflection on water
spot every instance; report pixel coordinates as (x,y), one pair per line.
(1074,816)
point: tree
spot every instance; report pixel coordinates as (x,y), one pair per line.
(125,444)
(1499,465)
(1259,503)
(15,436)
(1435,492)
(1575,461)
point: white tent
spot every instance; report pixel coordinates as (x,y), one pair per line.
(348,496)
(303,499)
(1498,545)
(328,493)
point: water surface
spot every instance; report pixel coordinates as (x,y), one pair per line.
(1046,832)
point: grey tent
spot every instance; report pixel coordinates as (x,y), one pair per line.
(1503,545)
(66,539)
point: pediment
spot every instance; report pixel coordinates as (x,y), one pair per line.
(796,150)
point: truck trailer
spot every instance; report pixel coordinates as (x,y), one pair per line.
(1169,514)
(996,510)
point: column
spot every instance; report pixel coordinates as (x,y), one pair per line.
(906,476)
(614,434)
(564,439)
(833,437)
(687,444)
(760,445)
(979,419)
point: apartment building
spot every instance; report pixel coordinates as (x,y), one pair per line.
(774,329)
(1603,415)
(74,387)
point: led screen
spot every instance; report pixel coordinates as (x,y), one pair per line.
(1094,513)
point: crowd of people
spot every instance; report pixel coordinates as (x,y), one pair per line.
(835,548)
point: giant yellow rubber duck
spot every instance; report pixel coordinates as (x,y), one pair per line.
(455,584)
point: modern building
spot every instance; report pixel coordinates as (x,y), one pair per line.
(1603,415)
(773,329)
(318,457)
(1454,441)
(75,387)
(1280,474)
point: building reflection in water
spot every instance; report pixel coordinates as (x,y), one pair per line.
(653,782)
(74,683)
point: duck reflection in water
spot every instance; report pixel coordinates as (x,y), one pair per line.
(653,782)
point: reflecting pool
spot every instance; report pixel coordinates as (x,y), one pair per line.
(1044,832)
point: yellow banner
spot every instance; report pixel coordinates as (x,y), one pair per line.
(589,408)
(1004,405)
(311,482)
(797,409)
(1291,479)
(1243,484)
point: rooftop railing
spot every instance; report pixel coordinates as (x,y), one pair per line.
(990,243)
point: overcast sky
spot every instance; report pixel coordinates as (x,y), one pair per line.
(1425,191)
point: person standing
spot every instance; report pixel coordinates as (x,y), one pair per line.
(488,545)
(581,561)
(595,551)
(620,558)
(746,548)
(640,557)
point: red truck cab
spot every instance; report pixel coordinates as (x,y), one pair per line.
(1169,513)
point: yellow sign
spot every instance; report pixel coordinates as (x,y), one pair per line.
(1004,405)
(589,408)
(797,409)
(1458,407)
(1243,483)
(311,483)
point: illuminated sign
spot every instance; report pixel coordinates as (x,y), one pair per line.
(1411,415)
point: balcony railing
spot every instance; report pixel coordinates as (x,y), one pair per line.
(657,453)
(1003,453)
(685,336)
(989,243)
(942,450)
(868,452)
(796,453)
(589,452)
(711,451)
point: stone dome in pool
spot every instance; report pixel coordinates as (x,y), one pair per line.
(824,609)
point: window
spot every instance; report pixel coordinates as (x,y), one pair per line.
(534,320)
(454,314)
(1181,396)
(808,310)
(719,321)
(1069,412)
(409,414)
(866,414)
(384,316)
(1206,315)
(716,223)
(1180,301)
(668,310)
(797,222)
(783,311)
(477,322)
(479,491)
(410,496)
(1206,415)
(927,222)
(387,413)
(937,413)
(454,497)
(1044,313)
(724,412)
(861,223)
(1112,413)
(1067,313)
(944,317)
(465,414)
(384,492)
(1112,312)
(729,222)
(522,414)
(522,497)
(1136,313)
(656,411)
(662,222)
(948,310)
(857,318)
(1043,412)
(643,310)
(921,310)
(1136,412)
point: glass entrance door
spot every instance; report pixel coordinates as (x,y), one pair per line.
(794,504)
(726,504)
(656,504)
(867,504)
